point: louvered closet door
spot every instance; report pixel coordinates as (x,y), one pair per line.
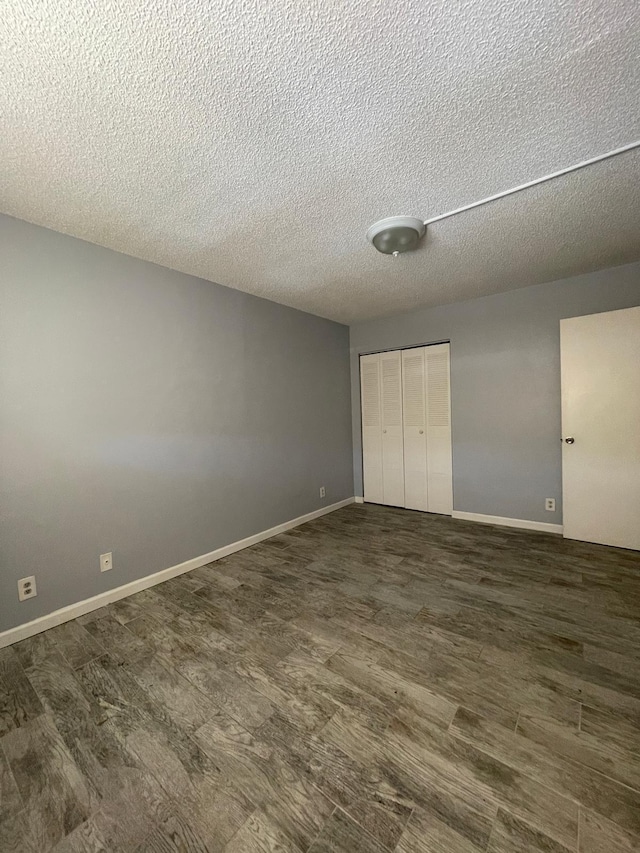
(392,439)
(439,464)
(414,389)
(371,428)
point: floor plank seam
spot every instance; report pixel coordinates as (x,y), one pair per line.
(319,833)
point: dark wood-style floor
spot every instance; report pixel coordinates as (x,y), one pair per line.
(375,680)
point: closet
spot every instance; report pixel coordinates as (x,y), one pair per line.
(406,428)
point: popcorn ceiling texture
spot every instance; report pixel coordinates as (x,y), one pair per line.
(252,142)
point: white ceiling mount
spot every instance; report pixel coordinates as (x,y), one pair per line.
(396,234)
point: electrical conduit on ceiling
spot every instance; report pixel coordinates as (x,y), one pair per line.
(558,174)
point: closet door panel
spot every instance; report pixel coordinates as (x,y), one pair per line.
(439,467)
(414,428)
(392,439)
(371,428)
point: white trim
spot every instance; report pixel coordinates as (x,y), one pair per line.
(359,499)
(72,611)
(544,526)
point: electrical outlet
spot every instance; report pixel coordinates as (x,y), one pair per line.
(27,588)
(106,562)
(550,504)
(323,492)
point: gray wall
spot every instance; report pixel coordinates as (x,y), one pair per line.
(505,385)
(151,414)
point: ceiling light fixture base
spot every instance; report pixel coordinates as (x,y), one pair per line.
(396,234)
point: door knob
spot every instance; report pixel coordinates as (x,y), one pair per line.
(569,440)
(384,430)
(421,431)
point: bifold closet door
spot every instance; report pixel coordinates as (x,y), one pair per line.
(439,451)
(371,428)
(392,443)
(382,450)
(406,428)
(427,429)
(414,401)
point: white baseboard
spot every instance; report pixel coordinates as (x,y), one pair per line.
(359,499)
(72,611)
(522,523)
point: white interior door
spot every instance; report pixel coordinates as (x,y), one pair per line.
(371,428)
(392,444)
(439,451)
(414,391)
(600,356)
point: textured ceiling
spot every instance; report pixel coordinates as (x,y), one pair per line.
(252,142)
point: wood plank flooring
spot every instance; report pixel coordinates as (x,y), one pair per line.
(375,680)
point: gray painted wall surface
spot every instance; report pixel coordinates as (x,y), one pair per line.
(505,385)
(151,414)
